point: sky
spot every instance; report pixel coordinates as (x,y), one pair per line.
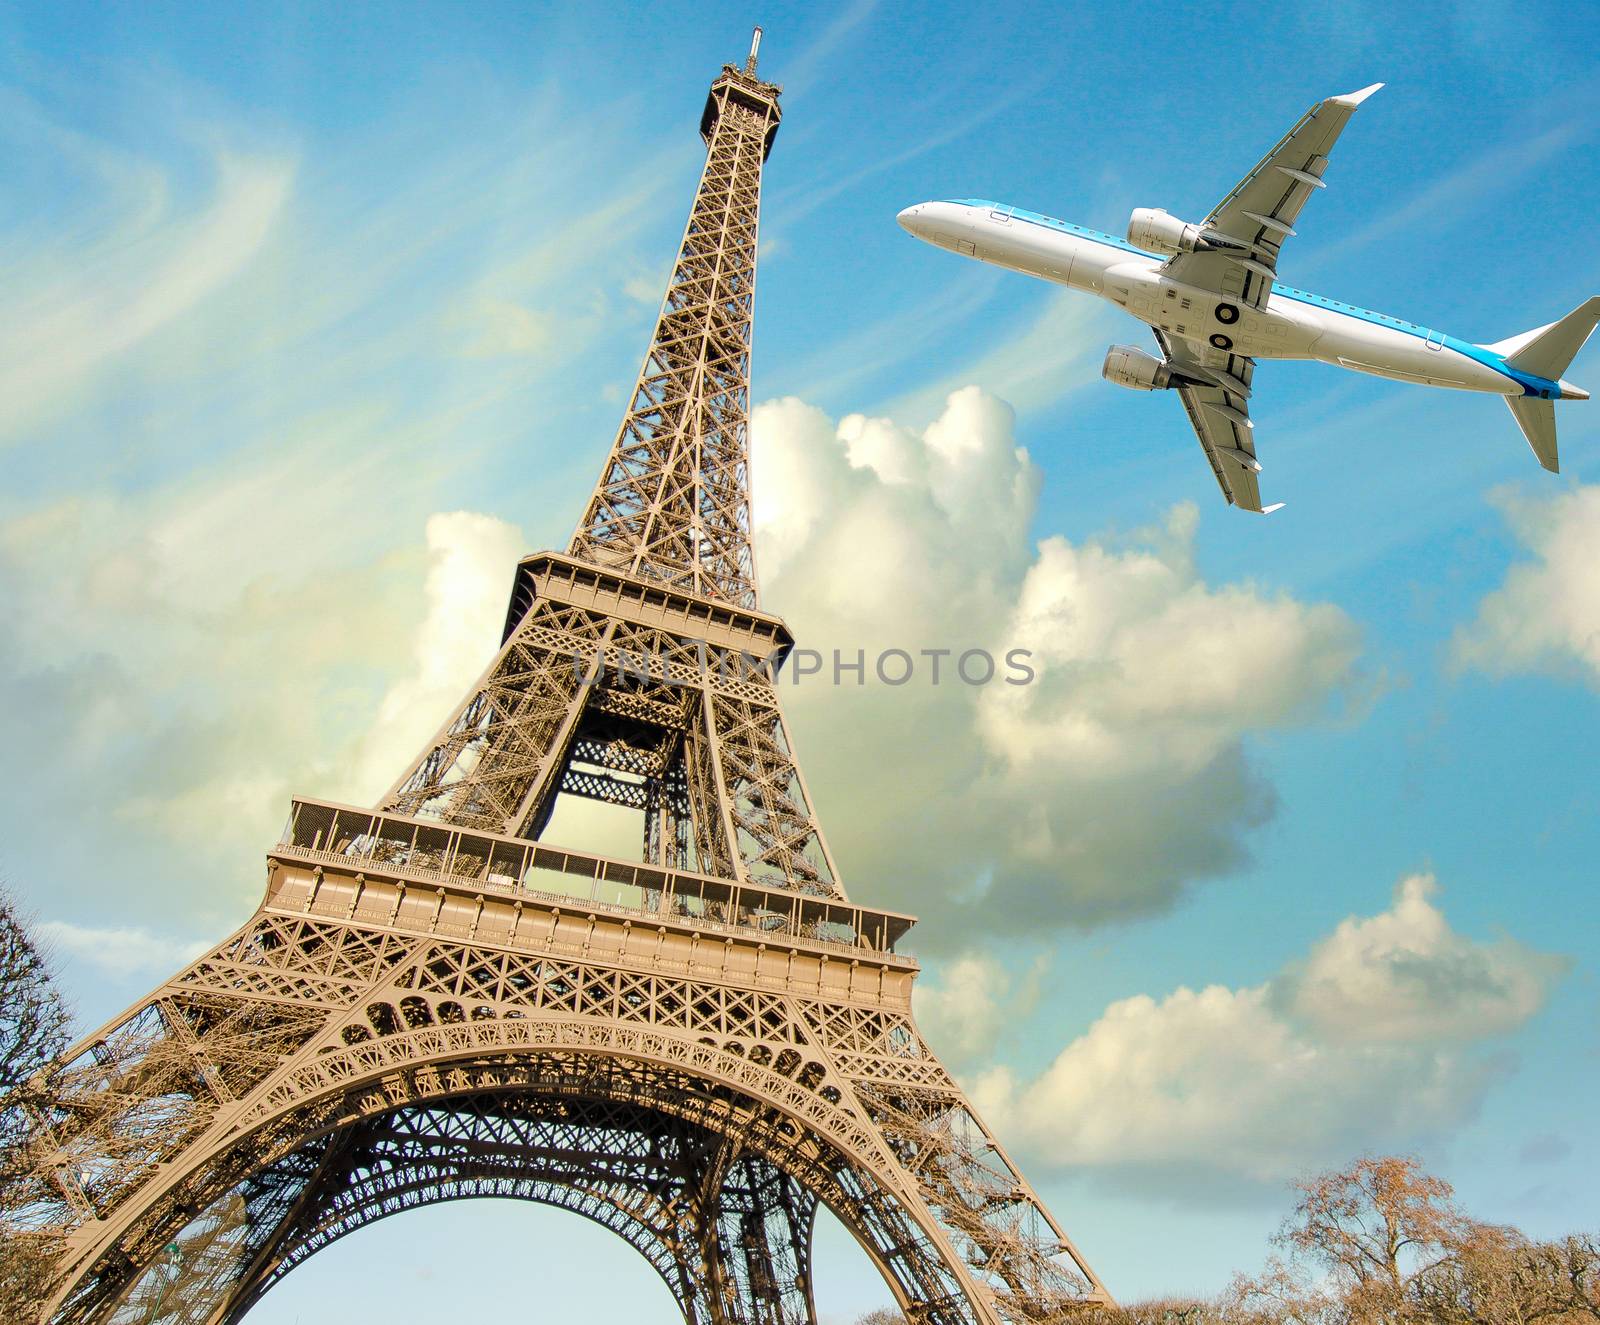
(315,318)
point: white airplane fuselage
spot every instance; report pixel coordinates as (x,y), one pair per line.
(1293,325)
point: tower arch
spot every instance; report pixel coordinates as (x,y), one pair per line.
(772,1145)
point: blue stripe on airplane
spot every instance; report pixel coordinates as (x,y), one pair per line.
(1531,385)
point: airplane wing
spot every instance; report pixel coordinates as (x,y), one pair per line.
(1215,387)
(1248,227)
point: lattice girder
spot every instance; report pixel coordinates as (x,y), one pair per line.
(636,1172)
(454,1017)
(580,695)
(672,504)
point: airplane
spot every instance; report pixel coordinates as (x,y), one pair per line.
(1210,292)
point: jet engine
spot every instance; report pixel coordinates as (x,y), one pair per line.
(1133,368)
(1155,231)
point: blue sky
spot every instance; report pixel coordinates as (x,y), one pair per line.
(314,318)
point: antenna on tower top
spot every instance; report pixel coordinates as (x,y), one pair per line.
(755,47)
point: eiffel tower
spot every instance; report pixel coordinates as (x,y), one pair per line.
(434,1002)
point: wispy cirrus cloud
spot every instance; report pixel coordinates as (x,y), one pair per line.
(787,209)
(61,324)
(850,361)
(1035,366)
(247,380)
(120,952)
(813,66)
(1474,183)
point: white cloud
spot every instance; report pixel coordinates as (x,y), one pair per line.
(1145,667)
(120,952)
(1546,615)
(1099,790)
(1405,976)
(211,623)
(503,327)
(472,561)
(188,661)
(964,1006)
(266,645)
(1368,1043)
(1215,1079)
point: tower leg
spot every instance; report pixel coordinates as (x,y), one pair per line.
(767,1222)
(752,1233)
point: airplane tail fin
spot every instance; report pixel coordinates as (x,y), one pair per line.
(1546,351)
(1537,419)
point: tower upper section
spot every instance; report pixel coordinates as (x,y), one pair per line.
(745,90)
(673,502)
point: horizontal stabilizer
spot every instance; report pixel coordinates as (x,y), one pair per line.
(1546,351)
(1537,419)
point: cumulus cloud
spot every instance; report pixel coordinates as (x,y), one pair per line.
(1145,667)
(965,1005)
(195,684)
(472,559)
(1120,774)
(224,612)
(261,651)
(1216,1080)
(1546,615)
(1405,976)
(1375,1039)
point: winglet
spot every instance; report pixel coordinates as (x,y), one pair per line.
(1276,506)
(1356,98)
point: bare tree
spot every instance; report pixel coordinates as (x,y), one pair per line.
(1152,1311)
(1567,1272)
(34,1027)
(1361,1243)
(1382,1242)
(1500,1277)
(34,1020)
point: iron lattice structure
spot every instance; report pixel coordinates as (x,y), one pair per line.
(434,1003)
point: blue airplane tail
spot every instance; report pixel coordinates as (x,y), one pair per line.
(1546,352)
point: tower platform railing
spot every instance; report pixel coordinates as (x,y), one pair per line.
(469,861)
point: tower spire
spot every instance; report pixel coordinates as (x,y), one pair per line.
(673,504)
